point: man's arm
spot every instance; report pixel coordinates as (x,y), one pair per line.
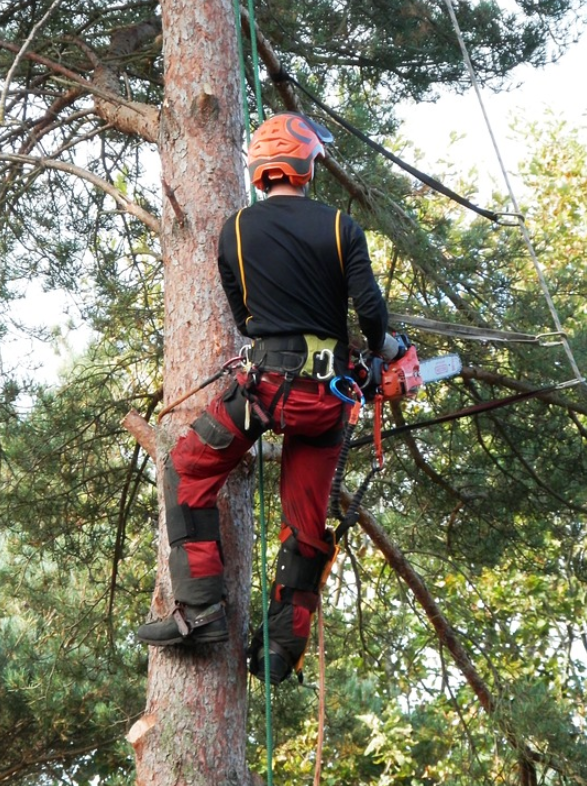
(232,286)
(363,289)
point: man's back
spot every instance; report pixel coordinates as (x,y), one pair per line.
(289,265)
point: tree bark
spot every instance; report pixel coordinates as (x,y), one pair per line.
(130,117)
(194,728)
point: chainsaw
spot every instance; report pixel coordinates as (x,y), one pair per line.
(404,376)
(379,380)
(376,380)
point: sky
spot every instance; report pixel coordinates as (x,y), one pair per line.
(532,93)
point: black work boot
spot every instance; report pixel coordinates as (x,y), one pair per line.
(187,625)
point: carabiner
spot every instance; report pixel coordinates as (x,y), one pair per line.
(342,396)
(325,354)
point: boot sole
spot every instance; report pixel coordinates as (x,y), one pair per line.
(192,640)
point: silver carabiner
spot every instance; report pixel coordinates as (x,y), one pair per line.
(322,355)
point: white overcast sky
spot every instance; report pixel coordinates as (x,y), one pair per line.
(532,93)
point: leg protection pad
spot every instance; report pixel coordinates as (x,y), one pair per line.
(185,523)
(297,575)
(285,647)
(298,582)
(211,432)
(190,589)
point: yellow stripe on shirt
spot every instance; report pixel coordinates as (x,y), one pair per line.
(338,241)
(239,252)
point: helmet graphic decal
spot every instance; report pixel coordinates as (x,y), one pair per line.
(286,146)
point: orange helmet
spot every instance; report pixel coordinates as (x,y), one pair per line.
(286,145)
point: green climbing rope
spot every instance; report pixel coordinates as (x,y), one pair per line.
(262,522)
(265,596)
(255,58)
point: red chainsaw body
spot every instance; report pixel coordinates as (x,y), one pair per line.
(401,377)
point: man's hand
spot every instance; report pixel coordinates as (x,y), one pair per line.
(392,349)
(389,349)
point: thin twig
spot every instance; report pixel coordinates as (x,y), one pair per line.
(20,55)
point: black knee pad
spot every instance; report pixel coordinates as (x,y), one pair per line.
(297,572)
(237,401)
(185,523)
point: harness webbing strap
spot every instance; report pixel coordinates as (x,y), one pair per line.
(472,332)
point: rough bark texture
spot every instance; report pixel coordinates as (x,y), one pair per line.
(193,730)
(130,117)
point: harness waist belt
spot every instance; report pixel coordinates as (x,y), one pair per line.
(300,355)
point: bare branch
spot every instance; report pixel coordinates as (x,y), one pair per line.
(20,55)
(445,633)
(125,203)
(142,431)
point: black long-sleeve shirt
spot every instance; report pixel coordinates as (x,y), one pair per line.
(286,270)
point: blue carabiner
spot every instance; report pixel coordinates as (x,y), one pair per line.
(347,399)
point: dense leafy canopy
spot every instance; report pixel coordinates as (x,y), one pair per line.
(488,511)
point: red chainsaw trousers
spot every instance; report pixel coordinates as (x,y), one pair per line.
(312,419)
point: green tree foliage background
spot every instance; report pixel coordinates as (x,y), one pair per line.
(488,511)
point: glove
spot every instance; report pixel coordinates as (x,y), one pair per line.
(390,349)
(394,347)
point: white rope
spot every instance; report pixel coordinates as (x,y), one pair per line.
(522,225)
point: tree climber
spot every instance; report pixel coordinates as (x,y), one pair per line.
(288,265)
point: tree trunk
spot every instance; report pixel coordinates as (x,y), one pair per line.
(194,728)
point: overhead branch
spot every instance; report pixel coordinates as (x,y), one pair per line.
(127,205)
(20,55)
(135,117)
(47,122)
(445,633)
(106,77)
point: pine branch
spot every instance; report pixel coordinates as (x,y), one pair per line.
(131,117)
(123,201)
